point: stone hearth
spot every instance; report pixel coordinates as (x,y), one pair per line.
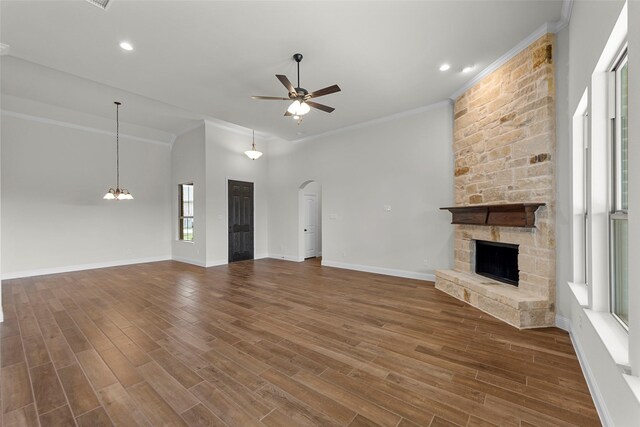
(504,149)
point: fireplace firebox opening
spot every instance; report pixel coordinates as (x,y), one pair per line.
(498,261)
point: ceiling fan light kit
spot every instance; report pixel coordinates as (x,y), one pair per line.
(298,108)
(118,193)
(301,98)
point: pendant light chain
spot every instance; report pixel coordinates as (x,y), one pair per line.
(117,145)
(118,193)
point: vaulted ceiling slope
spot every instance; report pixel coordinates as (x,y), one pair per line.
(207,58)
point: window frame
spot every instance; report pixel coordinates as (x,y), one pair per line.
(617,212)
(181,215)
(586,194)
(581,175)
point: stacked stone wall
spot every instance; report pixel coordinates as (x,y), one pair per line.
(505,152)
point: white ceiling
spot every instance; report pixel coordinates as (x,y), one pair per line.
(205,59)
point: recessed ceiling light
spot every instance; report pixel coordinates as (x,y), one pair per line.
(445,67)
(126,46)
(467,69)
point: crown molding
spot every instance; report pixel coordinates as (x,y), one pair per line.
(565,17)
(379,120)
(68,125)
(240,130)
(539,32)
(547,27)
(187,130)
(221,124)
(567,8)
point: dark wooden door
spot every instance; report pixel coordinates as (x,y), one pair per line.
(240,220)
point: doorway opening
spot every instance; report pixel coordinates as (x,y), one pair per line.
(240,196)
(309,220)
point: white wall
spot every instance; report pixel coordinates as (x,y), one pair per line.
(596,337)
(563,176)
(225,159)
(188,166)
(405,162)
(1,310)
(54,175)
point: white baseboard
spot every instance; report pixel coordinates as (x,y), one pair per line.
(605,418)
(380,270)
(80,267)
(189,261)
(286,257)
(216,263)
(563,323)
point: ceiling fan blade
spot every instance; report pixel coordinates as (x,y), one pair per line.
(322,107)
(325,91)
(287,114)
(285,81)
(274,98)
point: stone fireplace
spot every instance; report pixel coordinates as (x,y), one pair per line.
(504,151)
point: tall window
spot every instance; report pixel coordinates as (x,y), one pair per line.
(185,221)
(586,196)
(619,206)
(581,192)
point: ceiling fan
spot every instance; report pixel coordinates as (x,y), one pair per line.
(301,98)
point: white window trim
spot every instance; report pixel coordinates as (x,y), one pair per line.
(594,299)
(180,218)
(616,212)
(580,190)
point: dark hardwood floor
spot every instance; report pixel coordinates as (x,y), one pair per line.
(272,343)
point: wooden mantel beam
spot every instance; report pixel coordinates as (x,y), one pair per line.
(506,215)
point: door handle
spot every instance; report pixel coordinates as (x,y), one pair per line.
(305,229)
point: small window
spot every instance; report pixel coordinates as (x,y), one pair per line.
(581,193)
(185,221)
(619,235)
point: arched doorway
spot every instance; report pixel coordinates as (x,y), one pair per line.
(309,220)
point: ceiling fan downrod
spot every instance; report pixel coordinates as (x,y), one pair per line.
(298,57)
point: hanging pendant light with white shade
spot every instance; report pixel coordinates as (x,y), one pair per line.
(118,193)
(253,154)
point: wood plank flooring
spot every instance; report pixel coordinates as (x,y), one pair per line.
(272,343)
